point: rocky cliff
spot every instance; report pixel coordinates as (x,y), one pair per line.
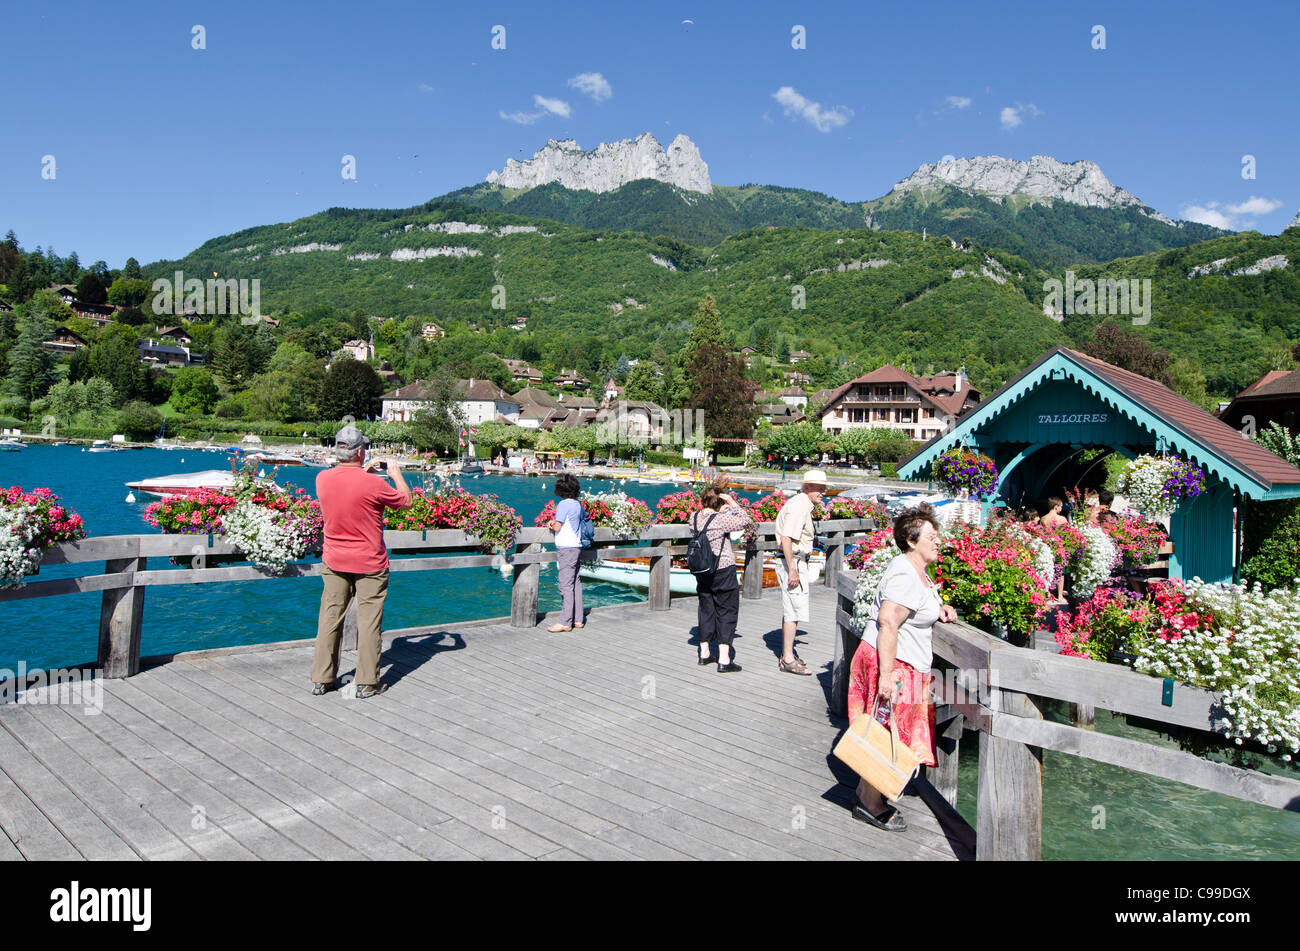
(609,166)
(1042,178)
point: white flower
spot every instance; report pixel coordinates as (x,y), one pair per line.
(18,529)
(1097,563)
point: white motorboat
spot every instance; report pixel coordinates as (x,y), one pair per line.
(9,444)
(187,483)
(103,445)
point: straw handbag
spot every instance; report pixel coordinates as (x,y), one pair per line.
(878,755)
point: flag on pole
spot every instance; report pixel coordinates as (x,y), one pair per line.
(460,439)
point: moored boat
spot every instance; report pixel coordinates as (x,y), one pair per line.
(186,483)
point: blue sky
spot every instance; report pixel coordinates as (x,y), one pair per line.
(158,146)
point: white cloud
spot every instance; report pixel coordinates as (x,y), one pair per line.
(425,88)
(556,107)
(823,120)
(592,84)
(1255,206)
(959,102)
(1230,217)
(523,118)
(1013,116)
(1207,215)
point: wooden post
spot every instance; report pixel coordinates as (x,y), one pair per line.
(348,642)
(661,564)
(1083,715)
(943,775)
(120,614)
(523,592)
(834,559)
(751,586)
(846,645)
(1010,823)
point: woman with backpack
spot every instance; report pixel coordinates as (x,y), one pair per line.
(567,526)
(718,590)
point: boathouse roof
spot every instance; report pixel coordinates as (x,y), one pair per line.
(1184,427)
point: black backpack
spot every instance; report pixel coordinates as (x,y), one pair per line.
(700,556)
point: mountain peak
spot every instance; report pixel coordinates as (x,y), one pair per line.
(1042,177)
(1295,222)
(608,166)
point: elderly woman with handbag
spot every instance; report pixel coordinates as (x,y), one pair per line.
(892,663)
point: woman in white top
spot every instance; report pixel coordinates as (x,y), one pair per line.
(893,661)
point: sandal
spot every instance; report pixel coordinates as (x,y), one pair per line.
(891,820)
(559,628)
(795,667)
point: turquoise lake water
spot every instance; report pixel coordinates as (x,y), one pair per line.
(55,632)
(1143,818)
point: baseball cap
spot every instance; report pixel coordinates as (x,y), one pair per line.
(814,477)
(349,437)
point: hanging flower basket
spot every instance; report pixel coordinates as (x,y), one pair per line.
(1157,485)
(963,470)
(31,522)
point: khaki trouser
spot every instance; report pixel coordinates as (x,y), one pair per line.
(339,589)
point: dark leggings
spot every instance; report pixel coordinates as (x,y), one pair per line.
(718,605)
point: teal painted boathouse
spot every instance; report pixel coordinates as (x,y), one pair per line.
(1038,428)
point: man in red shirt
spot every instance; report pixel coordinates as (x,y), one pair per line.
(355,560)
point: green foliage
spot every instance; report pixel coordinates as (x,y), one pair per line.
(720,389)
(351,388)
(654,457)
(438,426)
(1273,541)
(194,391)
(796,441)
(138,421)
(31,366)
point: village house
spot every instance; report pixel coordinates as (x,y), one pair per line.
(793,396)
(538,409)
(161,354)
(431,331)
(1273,398)
(523,373)
(358,349)
(639,419)
(574,380)
(613,392)
(480,400)
(64,340)
(799,356)
(890,398)
(175,335)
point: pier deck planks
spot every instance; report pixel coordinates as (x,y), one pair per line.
(492,742)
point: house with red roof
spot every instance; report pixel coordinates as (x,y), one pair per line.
(891,398)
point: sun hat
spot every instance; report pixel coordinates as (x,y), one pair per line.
(814,477)
(349,437)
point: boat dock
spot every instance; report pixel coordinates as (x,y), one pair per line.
(492,742)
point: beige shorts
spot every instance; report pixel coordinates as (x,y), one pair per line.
(794,604)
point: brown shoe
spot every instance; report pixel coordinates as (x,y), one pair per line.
(795,667)
(559,628)
(579,626)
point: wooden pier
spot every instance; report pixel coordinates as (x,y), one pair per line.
(493,741)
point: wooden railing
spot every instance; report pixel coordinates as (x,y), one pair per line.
(987,685)
(126,574)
